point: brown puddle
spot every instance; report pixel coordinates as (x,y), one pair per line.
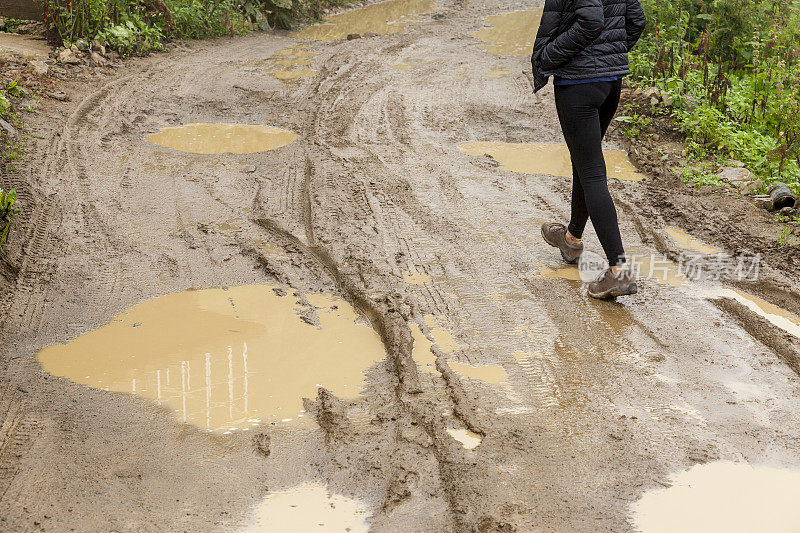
(777,316)
(384,18)
(687,242)
(422,353)
(442,337)
(291,64)
(416,278)
(222,138)
(547,158)
(723,496)
(493,374)
(498,73)
(224,359)
(511,34)
(646,265)
(309,507)
(467,438)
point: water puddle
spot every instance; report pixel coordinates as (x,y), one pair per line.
(723,496)
(383,18)
(498,73)
(511,34)
(291,64)
(309,507)
(467,438)
(442,337)
(687,242)
(422,353)
(547,158)
(493,374)
(652,266)
(569,272)
(777,316)
(225,359)
(222,138)
(416,278)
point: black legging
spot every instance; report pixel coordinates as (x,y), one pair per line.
(585,110)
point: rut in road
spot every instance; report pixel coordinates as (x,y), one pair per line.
(595,402)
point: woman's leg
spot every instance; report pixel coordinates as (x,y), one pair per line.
(578,109)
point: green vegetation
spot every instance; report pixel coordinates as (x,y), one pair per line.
(8,211)
(733,70)
(141,26)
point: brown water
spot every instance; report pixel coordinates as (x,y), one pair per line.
(493,374)
(547,158)
(222,138)
(383,18)
(442,337)
(224,359)
(291,64)
(309,507)
(777,316)
(723,497)
(511,34)
(498,73)
(416,278)
(467,438)
(687,242)
(422,353)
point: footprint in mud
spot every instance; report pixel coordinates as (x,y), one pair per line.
(309,507)
(225,359)
(382,18)
(547,158)
(510,34)
(467,438)
(205,138)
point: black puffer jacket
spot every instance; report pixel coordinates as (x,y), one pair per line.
(579,39)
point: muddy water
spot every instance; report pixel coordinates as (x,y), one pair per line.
(511,34)
(645,264)
(416,278)
(222,138)
(777,316)
(309,507)
(547,158)
(384,18)
(224,359)
(689,243)
(467,438)
(442,337)
(291,64)
(723,496)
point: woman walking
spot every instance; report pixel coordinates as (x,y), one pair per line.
(584,45)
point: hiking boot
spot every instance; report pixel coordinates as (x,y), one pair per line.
(607,285)
(555,235)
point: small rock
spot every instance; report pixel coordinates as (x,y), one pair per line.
(656,137)
(734,163)
(98,47)
(438,16)
(351,36)
(8,127)
(39,67)
(68,57)
(74,49)
(370,34)
(668,100)
(737,176)
(97,60)
(797,204)
(638,91)
(652,92)
(61,96)
(653,100)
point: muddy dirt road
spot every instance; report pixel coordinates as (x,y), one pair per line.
(502,398)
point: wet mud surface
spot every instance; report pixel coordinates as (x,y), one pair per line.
(495,396)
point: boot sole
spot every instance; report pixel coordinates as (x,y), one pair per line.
(563,255)
(614,292)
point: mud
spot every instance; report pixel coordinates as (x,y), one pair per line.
(510,34)
(383,18)
(589,405)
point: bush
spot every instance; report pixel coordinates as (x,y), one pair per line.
(733,69)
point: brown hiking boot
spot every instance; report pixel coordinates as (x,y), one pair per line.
(555,234)
(610,286)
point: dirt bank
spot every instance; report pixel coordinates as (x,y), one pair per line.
(593,404)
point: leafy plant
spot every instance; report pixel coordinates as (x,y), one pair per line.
(8,211)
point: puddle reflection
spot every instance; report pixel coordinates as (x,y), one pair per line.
(687,242)
(225,359)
